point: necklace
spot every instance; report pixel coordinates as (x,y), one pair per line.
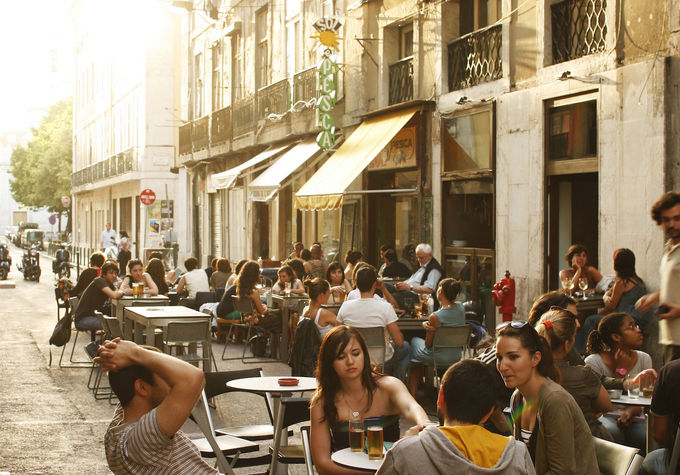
(354,414)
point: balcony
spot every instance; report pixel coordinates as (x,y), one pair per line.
(401,81)
(579,28)
(273,99)
(220,126)
(304,85)
(185,138)
(243,116)
(200,133)
(119,164)
(475,58)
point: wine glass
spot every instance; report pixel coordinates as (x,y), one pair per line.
(583,285)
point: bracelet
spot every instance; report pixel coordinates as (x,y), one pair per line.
(621,371)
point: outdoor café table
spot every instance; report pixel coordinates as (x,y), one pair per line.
(138,318)
(117,305)
(286,304)
(270,384)
(589,306)
(645,402)
(355,460)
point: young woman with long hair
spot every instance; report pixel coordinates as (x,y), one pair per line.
(545,416)
(350,389)
(319,292)
(577,260)
(245,286)
(287,274)
(340,286)
(137,276)
(156,270)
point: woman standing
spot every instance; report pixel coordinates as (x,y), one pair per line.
(124,254)
(546,417)
(349,389)
(340,286)
(450,314)
(138,276)
(319,292)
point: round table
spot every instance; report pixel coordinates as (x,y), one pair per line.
(355,460)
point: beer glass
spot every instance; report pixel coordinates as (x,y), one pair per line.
(356,435)
(374,435)
(288,286)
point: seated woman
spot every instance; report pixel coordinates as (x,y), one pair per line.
(627,289)
(548,419)
(349,389)
(219,278)
(319,291)
(577,260)
(313,267)
(352,258)
(156,270)
(340,286)
(137,276)
(266,319)
(612,353)
(287,274)
(558,327)
(232,278)
(450,314)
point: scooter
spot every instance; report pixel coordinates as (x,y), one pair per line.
(30,264)
(5,261)
(61,265)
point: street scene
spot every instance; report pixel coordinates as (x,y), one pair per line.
(337,236)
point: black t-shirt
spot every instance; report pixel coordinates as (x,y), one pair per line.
(666,397)
(226,305)
(93,298)
(85,279)
(396,270)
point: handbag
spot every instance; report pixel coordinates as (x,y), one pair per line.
(61,333)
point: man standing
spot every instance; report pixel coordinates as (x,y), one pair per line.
(666,213)
(157,393)
(108,238)
(94,298)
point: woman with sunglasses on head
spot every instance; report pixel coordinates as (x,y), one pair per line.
(545,416)
(558,327)
(612,347)
(350,389)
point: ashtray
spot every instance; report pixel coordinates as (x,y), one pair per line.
(288,381)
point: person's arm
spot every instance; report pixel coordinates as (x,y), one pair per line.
(432,325)
(125,286)
(386,293)
(660,432)
(396,334)
(673,312)
(403,402)
(347,286)
(646,302)
(558,429)
(615,297)
(257,303)
(327,317)
(602,403)
(186,381)
(298,288)
(180,285)
(113,294)
(151,287)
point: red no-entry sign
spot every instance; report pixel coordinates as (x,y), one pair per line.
(147,197)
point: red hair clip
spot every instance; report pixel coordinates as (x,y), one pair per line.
(547,324)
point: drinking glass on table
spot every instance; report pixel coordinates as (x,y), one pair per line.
(356,435)
(583,285)
(287,289)
(374,436)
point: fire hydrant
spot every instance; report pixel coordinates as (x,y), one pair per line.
(503,295)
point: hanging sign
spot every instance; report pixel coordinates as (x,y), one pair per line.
(328,37)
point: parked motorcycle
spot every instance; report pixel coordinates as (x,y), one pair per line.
(61,265)
(5,261)
(30,264)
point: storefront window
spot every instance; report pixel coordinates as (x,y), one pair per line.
(469,213)
(328,232)
(475,268)
(467,142)
(573,131)
(406,222)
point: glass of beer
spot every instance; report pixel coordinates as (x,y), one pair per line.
(287,287)
(374,435)
(648,391)
(135,289)
(356,435)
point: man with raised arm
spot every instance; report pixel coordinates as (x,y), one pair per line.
(157,393)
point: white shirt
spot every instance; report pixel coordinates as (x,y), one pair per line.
(108,238)
(196,281)
(432,278)
(371,312)
(355,294)
(669,291)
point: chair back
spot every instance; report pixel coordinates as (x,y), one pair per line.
(244,306)
(188,332)
(73,303)
(375,341)
(457,336)
(216,384)
(201,414)
(204,297)
(111,326)
(306,446)
(675,454)
(219,292)
(612,458)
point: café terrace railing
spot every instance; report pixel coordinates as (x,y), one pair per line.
(304,85)
(273,99)
(401,81)
(475,58)
(200,133)
(119,164)
(579,28)
(220,126)
(243,116)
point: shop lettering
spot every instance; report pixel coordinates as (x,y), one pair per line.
(328,29)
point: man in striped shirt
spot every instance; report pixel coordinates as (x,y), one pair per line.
(156,393)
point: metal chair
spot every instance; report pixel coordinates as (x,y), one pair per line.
(375,341)
(309,464)
(187,336)
(245,307)
(675,454)
(292,410)
(449,337)
(616,459)
(61,303)
(73,304)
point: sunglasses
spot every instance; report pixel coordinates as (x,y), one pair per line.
(517,324)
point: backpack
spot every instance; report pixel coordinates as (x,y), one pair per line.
(305,350)
(62,332)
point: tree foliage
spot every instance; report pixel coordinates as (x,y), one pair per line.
(41,170)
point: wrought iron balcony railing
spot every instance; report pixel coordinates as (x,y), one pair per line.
(220,126)
(579,28)
(273,99)
(185,138)
(200,133)
(304,85)
(401,81)
(113,166)
(243,116)
(475,58)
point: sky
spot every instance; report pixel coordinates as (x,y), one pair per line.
(36,54)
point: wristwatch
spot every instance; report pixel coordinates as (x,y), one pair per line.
(410,286)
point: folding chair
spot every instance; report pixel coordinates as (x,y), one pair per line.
(292,410)
(309,464)
(246,309)
(187,336)
(449,337)
(616,459)
(73,304)
(204,297)
(375,341)
(61,303)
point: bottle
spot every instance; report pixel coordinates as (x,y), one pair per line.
(259,262)
(430,305)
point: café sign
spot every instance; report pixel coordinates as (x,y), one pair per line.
(328,37)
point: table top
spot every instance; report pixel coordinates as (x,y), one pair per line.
(166,312)
(290,297)
(271,384)
(626,401)
(357,460)
(143,297)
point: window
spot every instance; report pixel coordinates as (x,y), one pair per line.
(572,131)
(467,142)
(476,14)
(406,41)
(198,87)
(261,48)
(237,66)
(216,77)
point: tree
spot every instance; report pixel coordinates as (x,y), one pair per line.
(41,171)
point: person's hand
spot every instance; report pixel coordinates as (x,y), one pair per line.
(645,302)
(379,284)
(673,311)
(402,286)
(625,418)
(607,297)
(428,327)
(115,354)
(646,378)
(623,359)
(415,430)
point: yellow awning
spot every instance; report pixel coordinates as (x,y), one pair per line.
(325,189)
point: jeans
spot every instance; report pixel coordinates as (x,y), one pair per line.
(635,435)
(591,323)
(400,359)
(655,463)
(88,323)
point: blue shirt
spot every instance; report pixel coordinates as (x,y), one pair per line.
(432,278)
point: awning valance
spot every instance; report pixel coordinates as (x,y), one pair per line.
(325,189)
(227,179)
(265,186)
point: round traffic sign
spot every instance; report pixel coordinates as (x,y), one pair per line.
(147,197)
(53,219)
(65,201)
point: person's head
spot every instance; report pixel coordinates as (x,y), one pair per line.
(316,251)
(156,270)
(239,266)
(213,263)
(97,259)
(108,226)
(624,264)
(353,256)
(359,265)
(555,298)
(306,255)
(384,248)
(223,265)
(448,290)
(247,278)
(298,266)
(616,330)
(522,355)
(366,278)
(390,256)
(286,274)
(109,272)
(190,263)
(666,213)
(317,288)
(423,253)
(156,255)
(467,393)
(124,234)
(343,355)
(558,327)
(576,255)
(335,274)
(136,380)
(136,270)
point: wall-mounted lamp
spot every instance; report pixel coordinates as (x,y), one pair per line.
(463,100)
(564,76)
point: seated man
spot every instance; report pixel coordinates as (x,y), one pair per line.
(97,260)
(383,250)
(461,445)
(665,414)
(195,280)
(393,268)
(368,311)
(157,393)
(94,298)
(423,281)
